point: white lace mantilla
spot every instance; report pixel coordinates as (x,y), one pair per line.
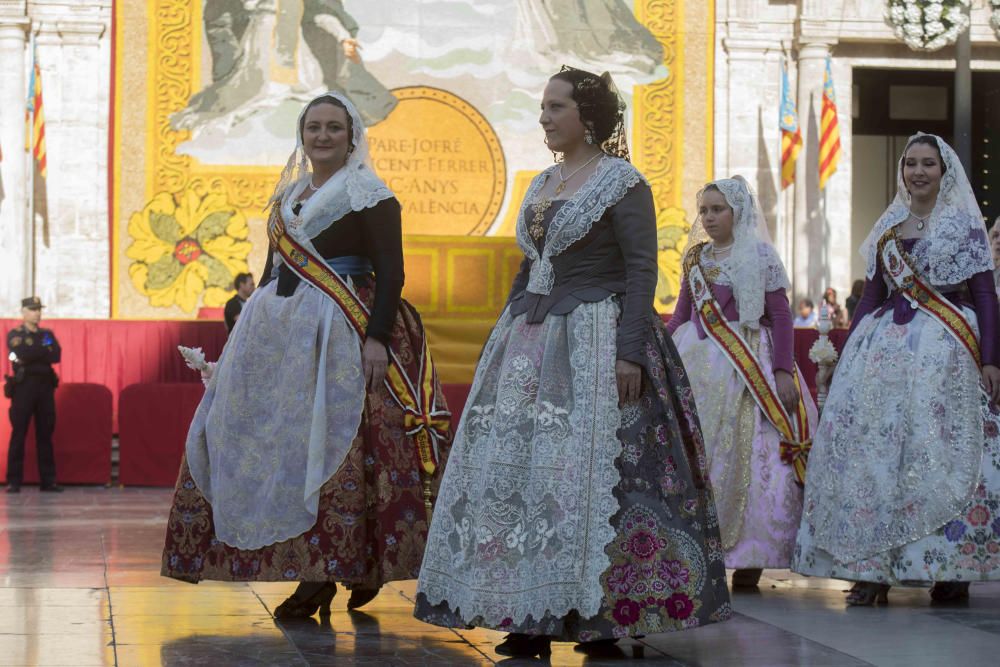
(956,243)
(769,265)
(611,181)
(752,267)
(523,515)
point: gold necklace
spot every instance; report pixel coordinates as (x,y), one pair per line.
(537,228)
(564,181)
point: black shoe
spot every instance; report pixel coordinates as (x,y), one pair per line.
(950,592)
(601,648)
(307,599)
(525,646)
(51,488)
(13,488)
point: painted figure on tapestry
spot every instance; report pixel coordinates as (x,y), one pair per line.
(264,51)
(323,430)
(589,32)
(733,329)
(904,478)
(576,504)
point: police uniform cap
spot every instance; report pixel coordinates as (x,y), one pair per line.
(31,302)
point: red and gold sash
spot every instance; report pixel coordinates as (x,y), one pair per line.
(794,431)
(923,296)
(414,391)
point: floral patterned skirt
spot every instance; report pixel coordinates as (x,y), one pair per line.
(371,524)
(905,427)
(493,558)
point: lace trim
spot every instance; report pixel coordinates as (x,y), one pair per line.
(956,244)
(500,546)
(609,183)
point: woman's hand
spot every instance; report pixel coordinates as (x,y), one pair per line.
(789,395)
(374,359)
(351,50)
(629,378)
(991,380)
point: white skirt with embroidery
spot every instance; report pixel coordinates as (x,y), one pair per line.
(903,481)
(278,416)
(523,516)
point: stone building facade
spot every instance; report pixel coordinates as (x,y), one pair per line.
(818,234)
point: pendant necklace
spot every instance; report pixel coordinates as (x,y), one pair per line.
(921,221)
(563,180)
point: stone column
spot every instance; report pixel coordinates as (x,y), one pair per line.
(810,268)
(15,241)
(749,117)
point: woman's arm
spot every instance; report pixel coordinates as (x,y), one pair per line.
(383,239)
(520,280)
(682,309)
(265,277)
(874,295)
(782,336)
(984,298)
(634,222)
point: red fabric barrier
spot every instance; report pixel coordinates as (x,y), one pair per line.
(456,395)
(118,353)
(82,439)
(152,429)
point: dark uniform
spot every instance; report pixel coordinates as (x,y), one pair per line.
(233,309)
(32,393)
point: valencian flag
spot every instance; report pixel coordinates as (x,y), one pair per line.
(829,130)
(791,136)
(35,117)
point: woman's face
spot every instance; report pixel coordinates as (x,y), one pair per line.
(830,295)
(716,216)
(325,136)
(922,172)
(560,117)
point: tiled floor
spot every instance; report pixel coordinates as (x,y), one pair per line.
(79,585)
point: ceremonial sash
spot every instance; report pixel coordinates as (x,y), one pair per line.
(414,395)
(794,430)
(923,296)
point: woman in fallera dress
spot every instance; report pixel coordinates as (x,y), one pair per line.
(904,478)
(742,373)
(301,464)
(576,503)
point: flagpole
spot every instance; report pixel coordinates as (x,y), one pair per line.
(779,225)
(30,259)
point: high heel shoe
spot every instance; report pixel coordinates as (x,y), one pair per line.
(525,646)
(304,602)
(950,591)
(866,594)
(361,596)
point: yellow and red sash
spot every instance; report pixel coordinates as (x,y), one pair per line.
(414,392)
(794,431)
(923,296)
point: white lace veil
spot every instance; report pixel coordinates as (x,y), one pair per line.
(957,244)
(354,187)
(753,267)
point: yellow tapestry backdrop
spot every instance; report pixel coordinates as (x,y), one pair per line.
(207,93)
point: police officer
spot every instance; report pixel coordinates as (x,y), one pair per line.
(31,390)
